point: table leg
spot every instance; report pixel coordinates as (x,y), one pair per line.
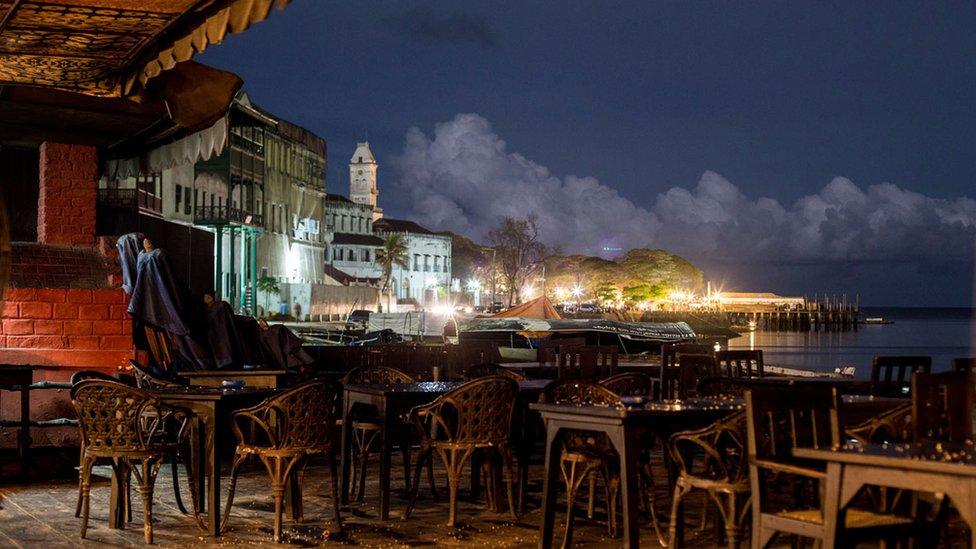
(627,450)
(117,500)
(549,484)
(524,452)
(389,428)
(346,449)
(23,434)
(831,504)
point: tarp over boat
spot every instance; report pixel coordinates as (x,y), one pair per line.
(538,308)
(658,332)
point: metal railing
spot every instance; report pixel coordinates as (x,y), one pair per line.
(130,199)
(222,215)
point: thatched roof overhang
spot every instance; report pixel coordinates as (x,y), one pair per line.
(112,48)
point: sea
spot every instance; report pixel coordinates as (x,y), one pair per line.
(942,333)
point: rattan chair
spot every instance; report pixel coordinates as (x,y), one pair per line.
(475,417)
(891,375)
(779,421)
(723,473)
(151,378)
(631,384)
(127,426)
(486,370)
(368,431)
(76,378)
(740,363)
(283,432)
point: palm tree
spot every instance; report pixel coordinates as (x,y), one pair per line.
(268,285)
(393,252)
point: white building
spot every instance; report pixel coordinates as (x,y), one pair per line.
(428,274)
(362,179)
(352,246)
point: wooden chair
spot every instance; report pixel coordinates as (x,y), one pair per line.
(585,454)
(475,417)
(368,432)
(485,370)
(670,370)
(964,364)
(588,363)
(549,348)
(740,363)
(160,348)
(723,473)
(468,353)
(891,375)
(130,427)
(778,421)
(682,381)
(942,406)
(150,378)
(283,432)
(76,378)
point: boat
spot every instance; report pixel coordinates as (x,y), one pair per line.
(877,320)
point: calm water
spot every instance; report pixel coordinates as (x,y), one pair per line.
(940,333)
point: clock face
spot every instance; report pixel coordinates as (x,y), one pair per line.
(360,172)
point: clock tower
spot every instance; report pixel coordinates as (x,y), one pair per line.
(362,178)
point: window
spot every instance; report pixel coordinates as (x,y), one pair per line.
(426,263)
(337,254)
(437,263)
(416,262)
(351,256)
(179,197)
(186,200)
(365,256)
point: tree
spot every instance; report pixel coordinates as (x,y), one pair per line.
(607,293)
(393,252)
(518,251)
(269,286)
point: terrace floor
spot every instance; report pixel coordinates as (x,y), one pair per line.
(42,514)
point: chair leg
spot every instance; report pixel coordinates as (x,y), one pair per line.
(591,500)
(612,480)
(405,452)
(147,481)
(81,461)
(508,468)
(334,474)
(573,478)
(175,467)
(430,479)
(679,494)
(86,467)
(454,460)
(234,471)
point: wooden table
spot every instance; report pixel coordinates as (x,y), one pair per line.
(391,401)
(19,378)
(212,408)
(623,427)
(541,370)
(920,467)
(265,379)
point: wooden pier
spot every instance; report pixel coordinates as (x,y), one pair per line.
(821,314)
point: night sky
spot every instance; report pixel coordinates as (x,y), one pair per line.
(785,147)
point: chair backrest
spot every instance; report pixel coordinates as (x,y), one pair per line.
(721,387)
(942,406)
(549,348)
(631,384)
(367,376)
(150,378)
(740,363)
(479,411)
(485,370)
(300,418)
(579,393)
(891,376)
(84,375)
(891,427)
(160,348)
(967,364)
(682,381)
(670,352)
(116,418)
(801,417)
(591,362)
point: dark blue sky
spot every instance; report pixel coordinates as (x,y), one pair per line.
(643,96)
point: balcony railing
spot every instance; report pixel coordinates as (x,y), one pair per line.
(130,199)
(223,215)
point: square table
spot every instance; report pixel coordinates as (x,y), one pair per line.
(211,408)
(622,426)
(927,467)
(264,379)
(392,400)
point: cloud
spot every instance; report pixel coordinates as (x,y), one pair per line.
(463,178)
(452,29)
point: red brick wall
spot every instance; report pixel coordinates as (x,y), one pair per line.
(68,191)
(70,328)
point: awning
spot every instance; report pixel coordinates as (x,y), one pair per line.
(539,308)
(112,47)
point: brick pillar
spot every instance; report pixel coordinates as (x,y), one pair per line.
(68,189)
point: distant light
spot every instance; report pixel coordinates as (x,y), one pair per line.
(474,284)
(442,310)
(717,347)
(528,292)
(577,291)
(562,293)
